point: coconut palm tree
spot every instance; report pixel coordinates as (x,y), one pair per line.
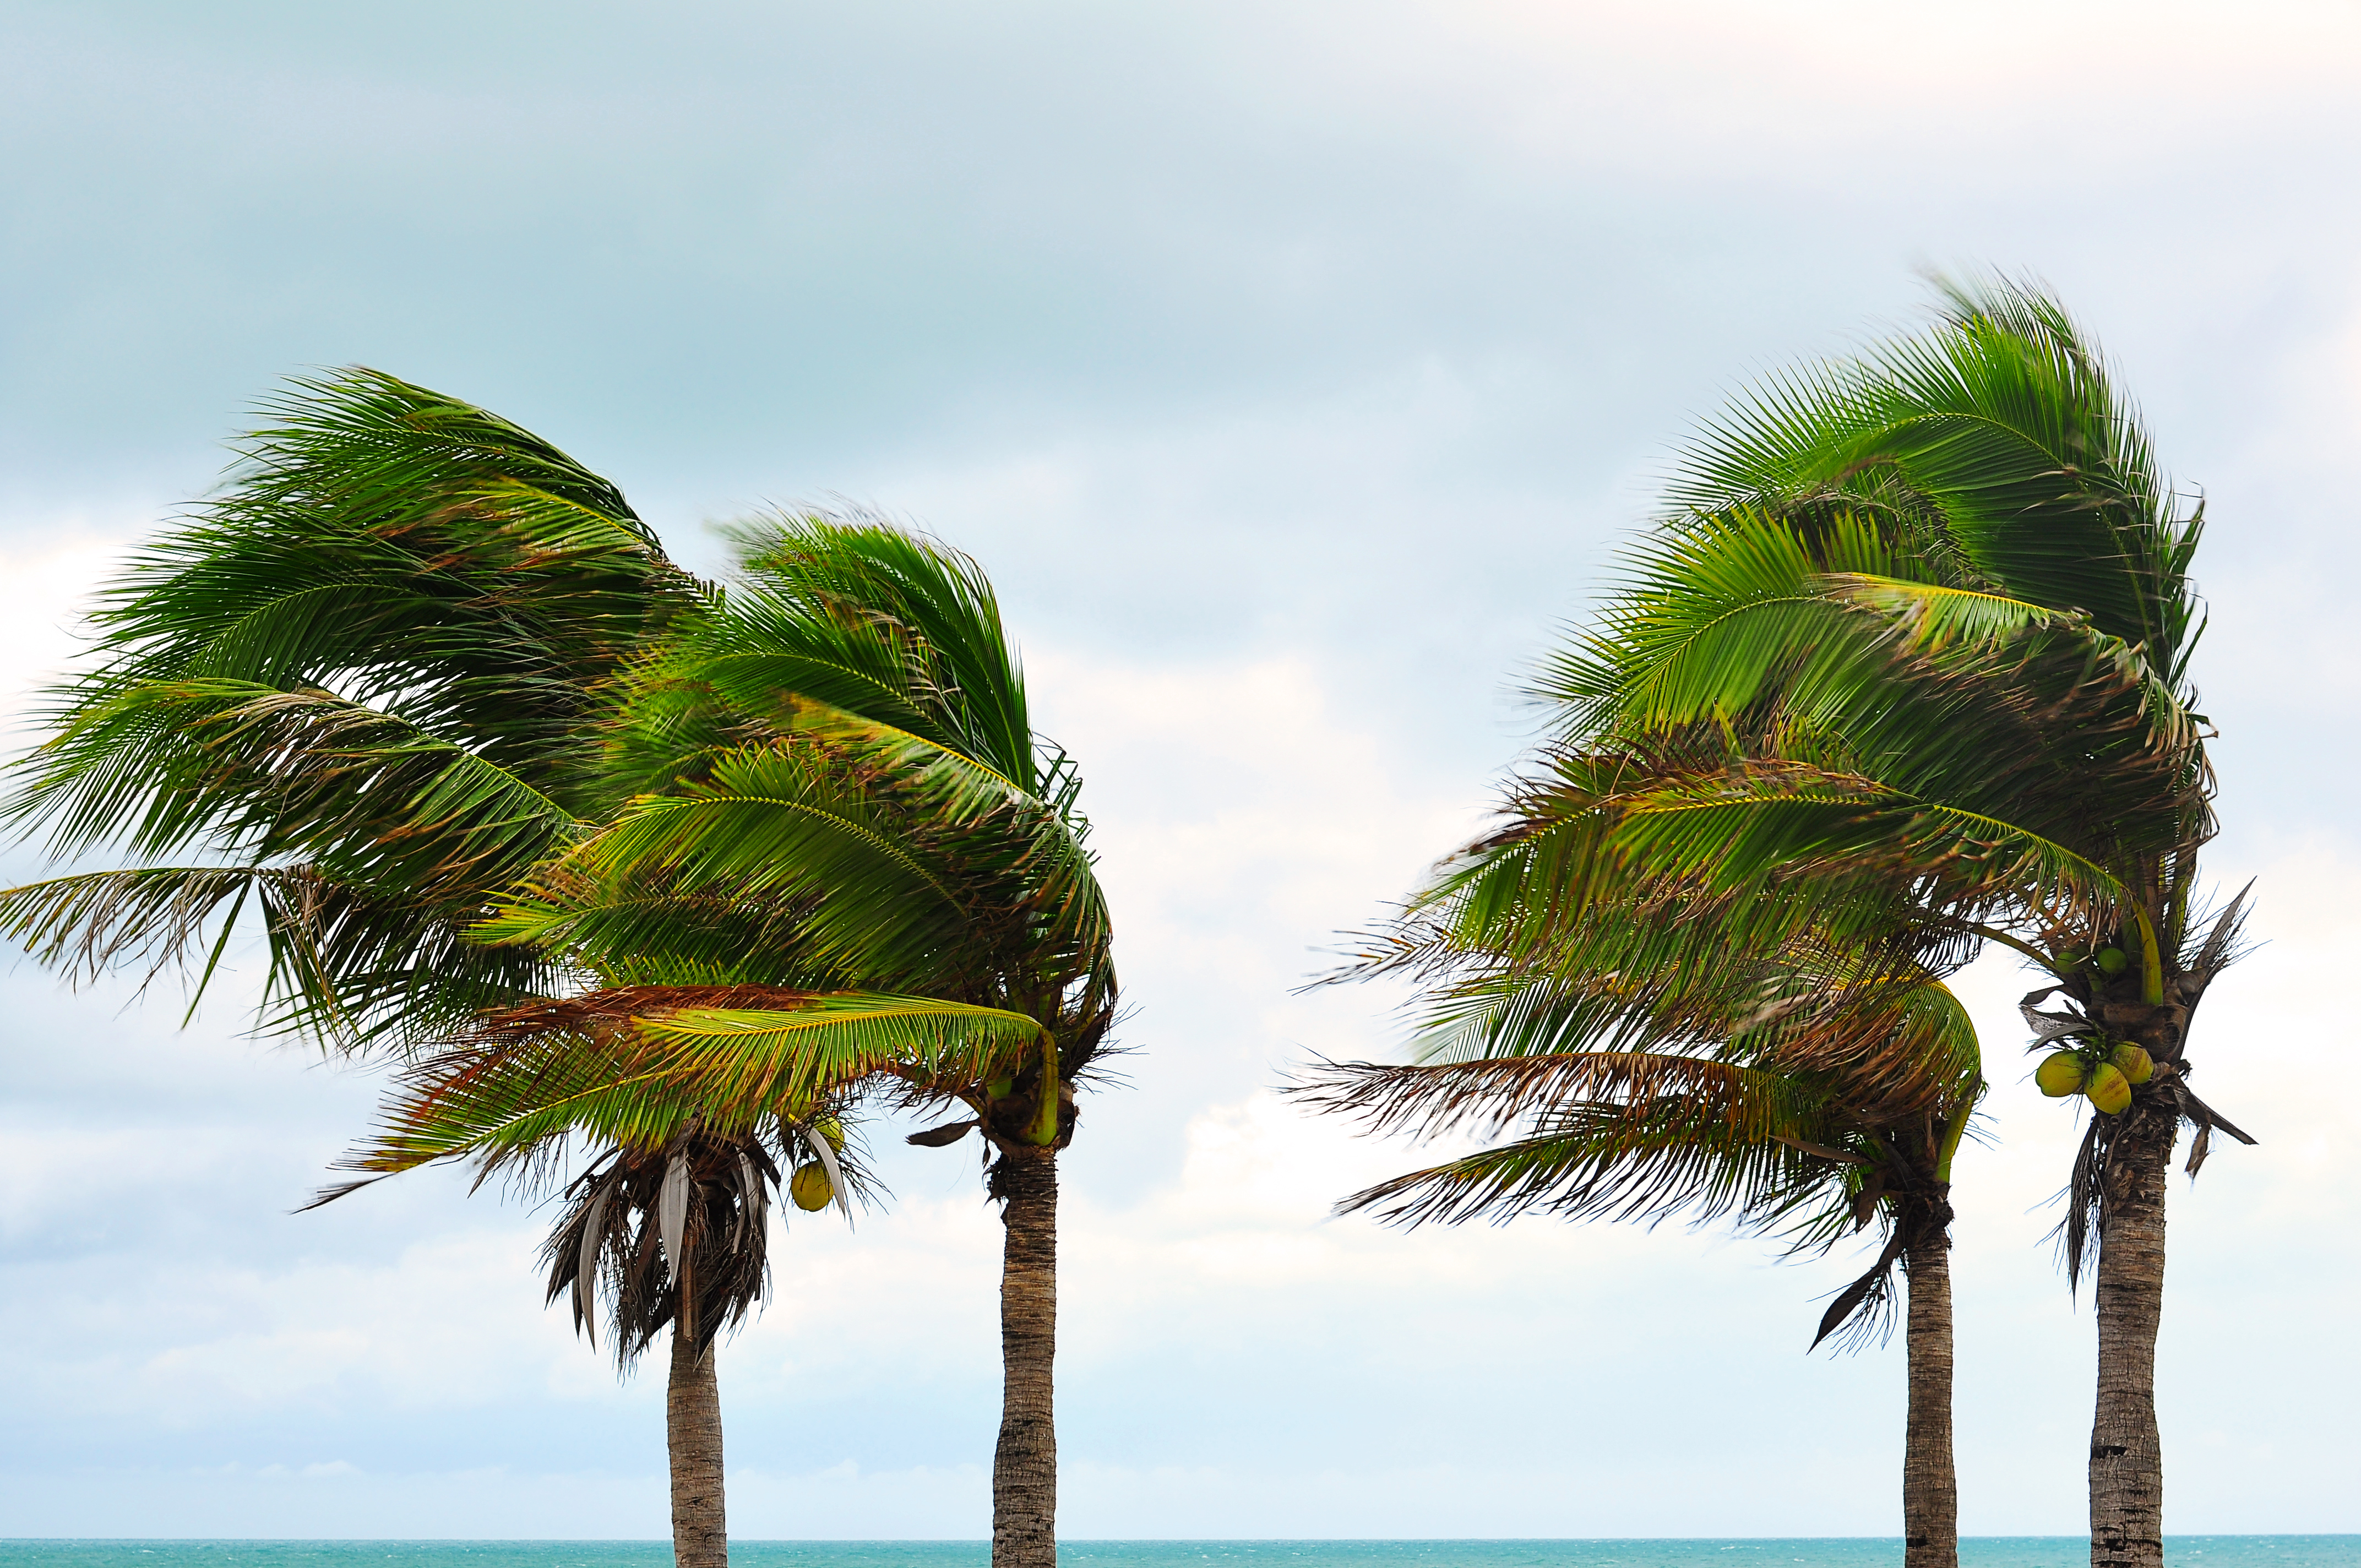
(1653,1067)
(353,696)
(1946,587)
(2005,450)
(854,839)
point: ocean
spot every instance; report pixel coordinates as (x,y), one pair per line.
(1851,1551)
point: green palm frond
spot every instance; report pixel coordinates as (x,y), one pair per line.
(851,613)
(953,788)
(739,1059)
(871,578)
(1485,1096)
(365,674)
(1655,859)
(2004,423)
(391,542)
(153,918)
(1827,828)
(633,1067)
(344,965)
(1713,614)
(1743,622)
(840,790)
(1791,1126)
(776,827)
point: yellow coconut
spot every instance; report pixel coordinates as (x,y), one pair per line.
(2111,961)
(2108,1089)
(2059,1075)
(2133,1062)
(832,1129)
(808,1187)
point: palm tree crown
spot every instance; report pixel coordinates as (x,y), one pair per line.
(1936,602)
(353,693)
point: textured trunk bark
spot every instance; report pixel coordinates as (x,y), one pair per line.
(1931,1488)
(2126,1452)
(1025,1466)
(700,1534)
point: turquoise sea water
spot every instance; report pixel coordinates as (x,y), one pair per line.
(1988,1551)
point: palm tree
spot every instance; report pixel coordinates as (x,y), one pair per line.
(1654,1068)
(355,694)
(1943,592)
(855,862)
(1917,639)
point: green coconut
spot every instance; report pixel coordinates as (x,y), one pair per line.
(2133,1062)
(2109,1090)
(2059,1074)
(2111,961)
(811,1190)
(832,1129)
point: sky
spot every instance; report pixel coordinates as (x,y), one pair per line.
(1296,371)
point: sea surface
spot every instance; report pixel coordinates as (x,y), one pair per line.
(1851,1551)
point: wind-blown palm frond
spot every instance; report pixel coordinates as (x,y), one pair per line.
(867,578)
(1786,1123)
(1708,1154)
(1809,636)
(371,665)
(850,613)
(1647,866)
(633,1067)
(840,793)
(737,1058)
(955,789)
(777,827)
(2004,423)
(337,957)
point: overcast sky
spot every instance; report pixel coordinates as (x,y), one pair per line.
(1294,369)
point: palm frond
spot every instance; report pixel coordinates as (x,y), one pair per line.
(2004,421)
(776,826)
(363,675)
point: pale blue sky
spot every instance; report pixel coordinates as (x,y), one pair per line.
(1294,368)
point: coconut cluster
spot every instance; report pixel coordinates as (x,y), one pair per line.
(2104,1071)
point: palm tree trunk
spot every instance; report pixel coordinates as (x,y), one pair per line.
(1930,1487)
(2126,1452)
(1025,1466)
(700,1534)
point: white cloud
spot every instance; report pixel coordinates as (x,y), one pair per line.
(51,568)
